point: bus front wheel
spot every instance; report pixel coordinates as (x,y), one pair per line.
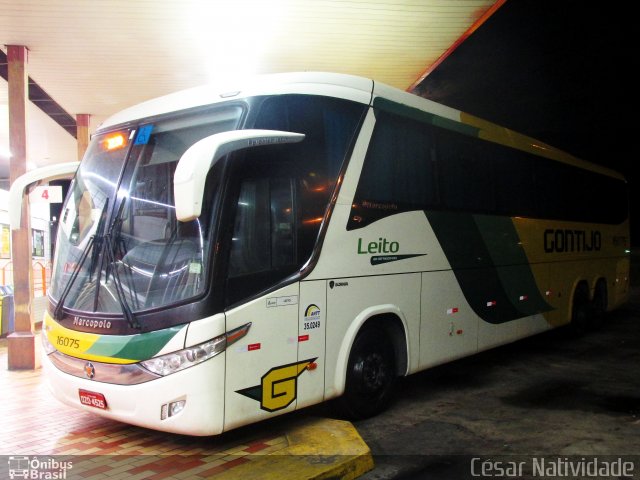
(370,376)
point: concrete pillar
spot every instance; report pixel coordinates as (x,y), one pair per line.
(21,342)
(82,135)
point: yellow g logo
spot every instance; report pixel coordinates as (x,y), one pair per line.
(278,387)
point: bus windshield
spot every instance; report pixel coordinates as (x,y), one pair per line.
(120,246)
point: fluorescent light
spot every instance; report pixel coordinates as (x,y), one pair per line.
(232,36)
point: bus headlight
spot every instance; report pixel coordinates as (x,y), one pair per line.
(188,357)
(176,361)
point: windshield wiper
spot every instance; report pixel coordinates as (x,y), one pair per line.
(103,250)
(78,266)
(74,274)
(108,248)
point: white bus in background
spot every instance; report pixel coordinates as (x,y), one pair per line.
(40,244)
(229,255)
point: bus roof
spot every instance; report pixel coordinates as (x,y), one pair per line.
(331,84)
(349,87)
(409,105)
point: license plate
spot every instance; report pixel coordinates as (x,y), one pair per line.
(93,399)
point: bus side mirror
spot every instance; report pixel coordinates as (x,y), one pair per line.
(19,185)
(191,171)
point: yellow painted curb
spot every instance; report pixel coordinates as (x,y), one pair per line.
(319,449)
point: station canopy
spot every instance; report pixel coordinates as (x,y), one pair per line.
(98,57)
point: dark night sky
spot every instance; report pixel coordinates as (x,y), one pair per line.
(557,70)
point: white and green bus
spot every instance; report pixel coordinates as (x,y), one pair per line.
(227,255)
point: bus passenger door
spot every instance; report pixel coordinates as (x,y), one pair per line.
(262,368)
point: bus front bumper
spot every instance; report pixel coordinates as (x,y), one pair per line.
(189,402)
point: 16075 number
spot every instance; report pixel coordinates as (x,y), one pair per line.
(68,342)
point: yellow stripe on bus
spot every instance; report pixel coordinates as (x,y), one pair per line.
(76,344)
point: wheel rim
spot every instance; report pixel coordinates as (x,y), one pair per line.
(372,372)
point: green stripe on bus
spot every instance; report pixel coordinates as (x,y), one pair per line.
(133,347)
(508,255)
(491,269)
(424,117)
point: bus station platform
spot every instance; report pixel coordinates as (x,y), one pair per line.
(42,438)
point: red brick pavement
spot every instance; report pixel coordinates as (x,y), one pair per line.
(33,423)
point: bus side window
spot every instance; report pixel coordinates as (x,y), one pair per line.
(399,170)
(466,182)
(249,245)
(263,246)
(399,164)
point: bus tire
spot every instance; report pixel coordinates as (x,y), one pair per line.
(599,304)
(370,376)
(580,311)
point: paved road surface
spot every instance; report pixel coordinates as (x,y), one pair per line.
(547,395)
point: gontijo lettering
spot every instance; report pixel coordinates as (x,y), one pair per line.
(567,240)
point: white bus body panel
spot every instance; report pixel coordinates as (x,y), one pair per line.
(449,327)
(202,386)
(204,330)
(312,326)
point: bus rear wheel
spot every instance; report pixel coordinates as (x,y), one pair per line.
(599,304)
(370,376)
(581,311)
